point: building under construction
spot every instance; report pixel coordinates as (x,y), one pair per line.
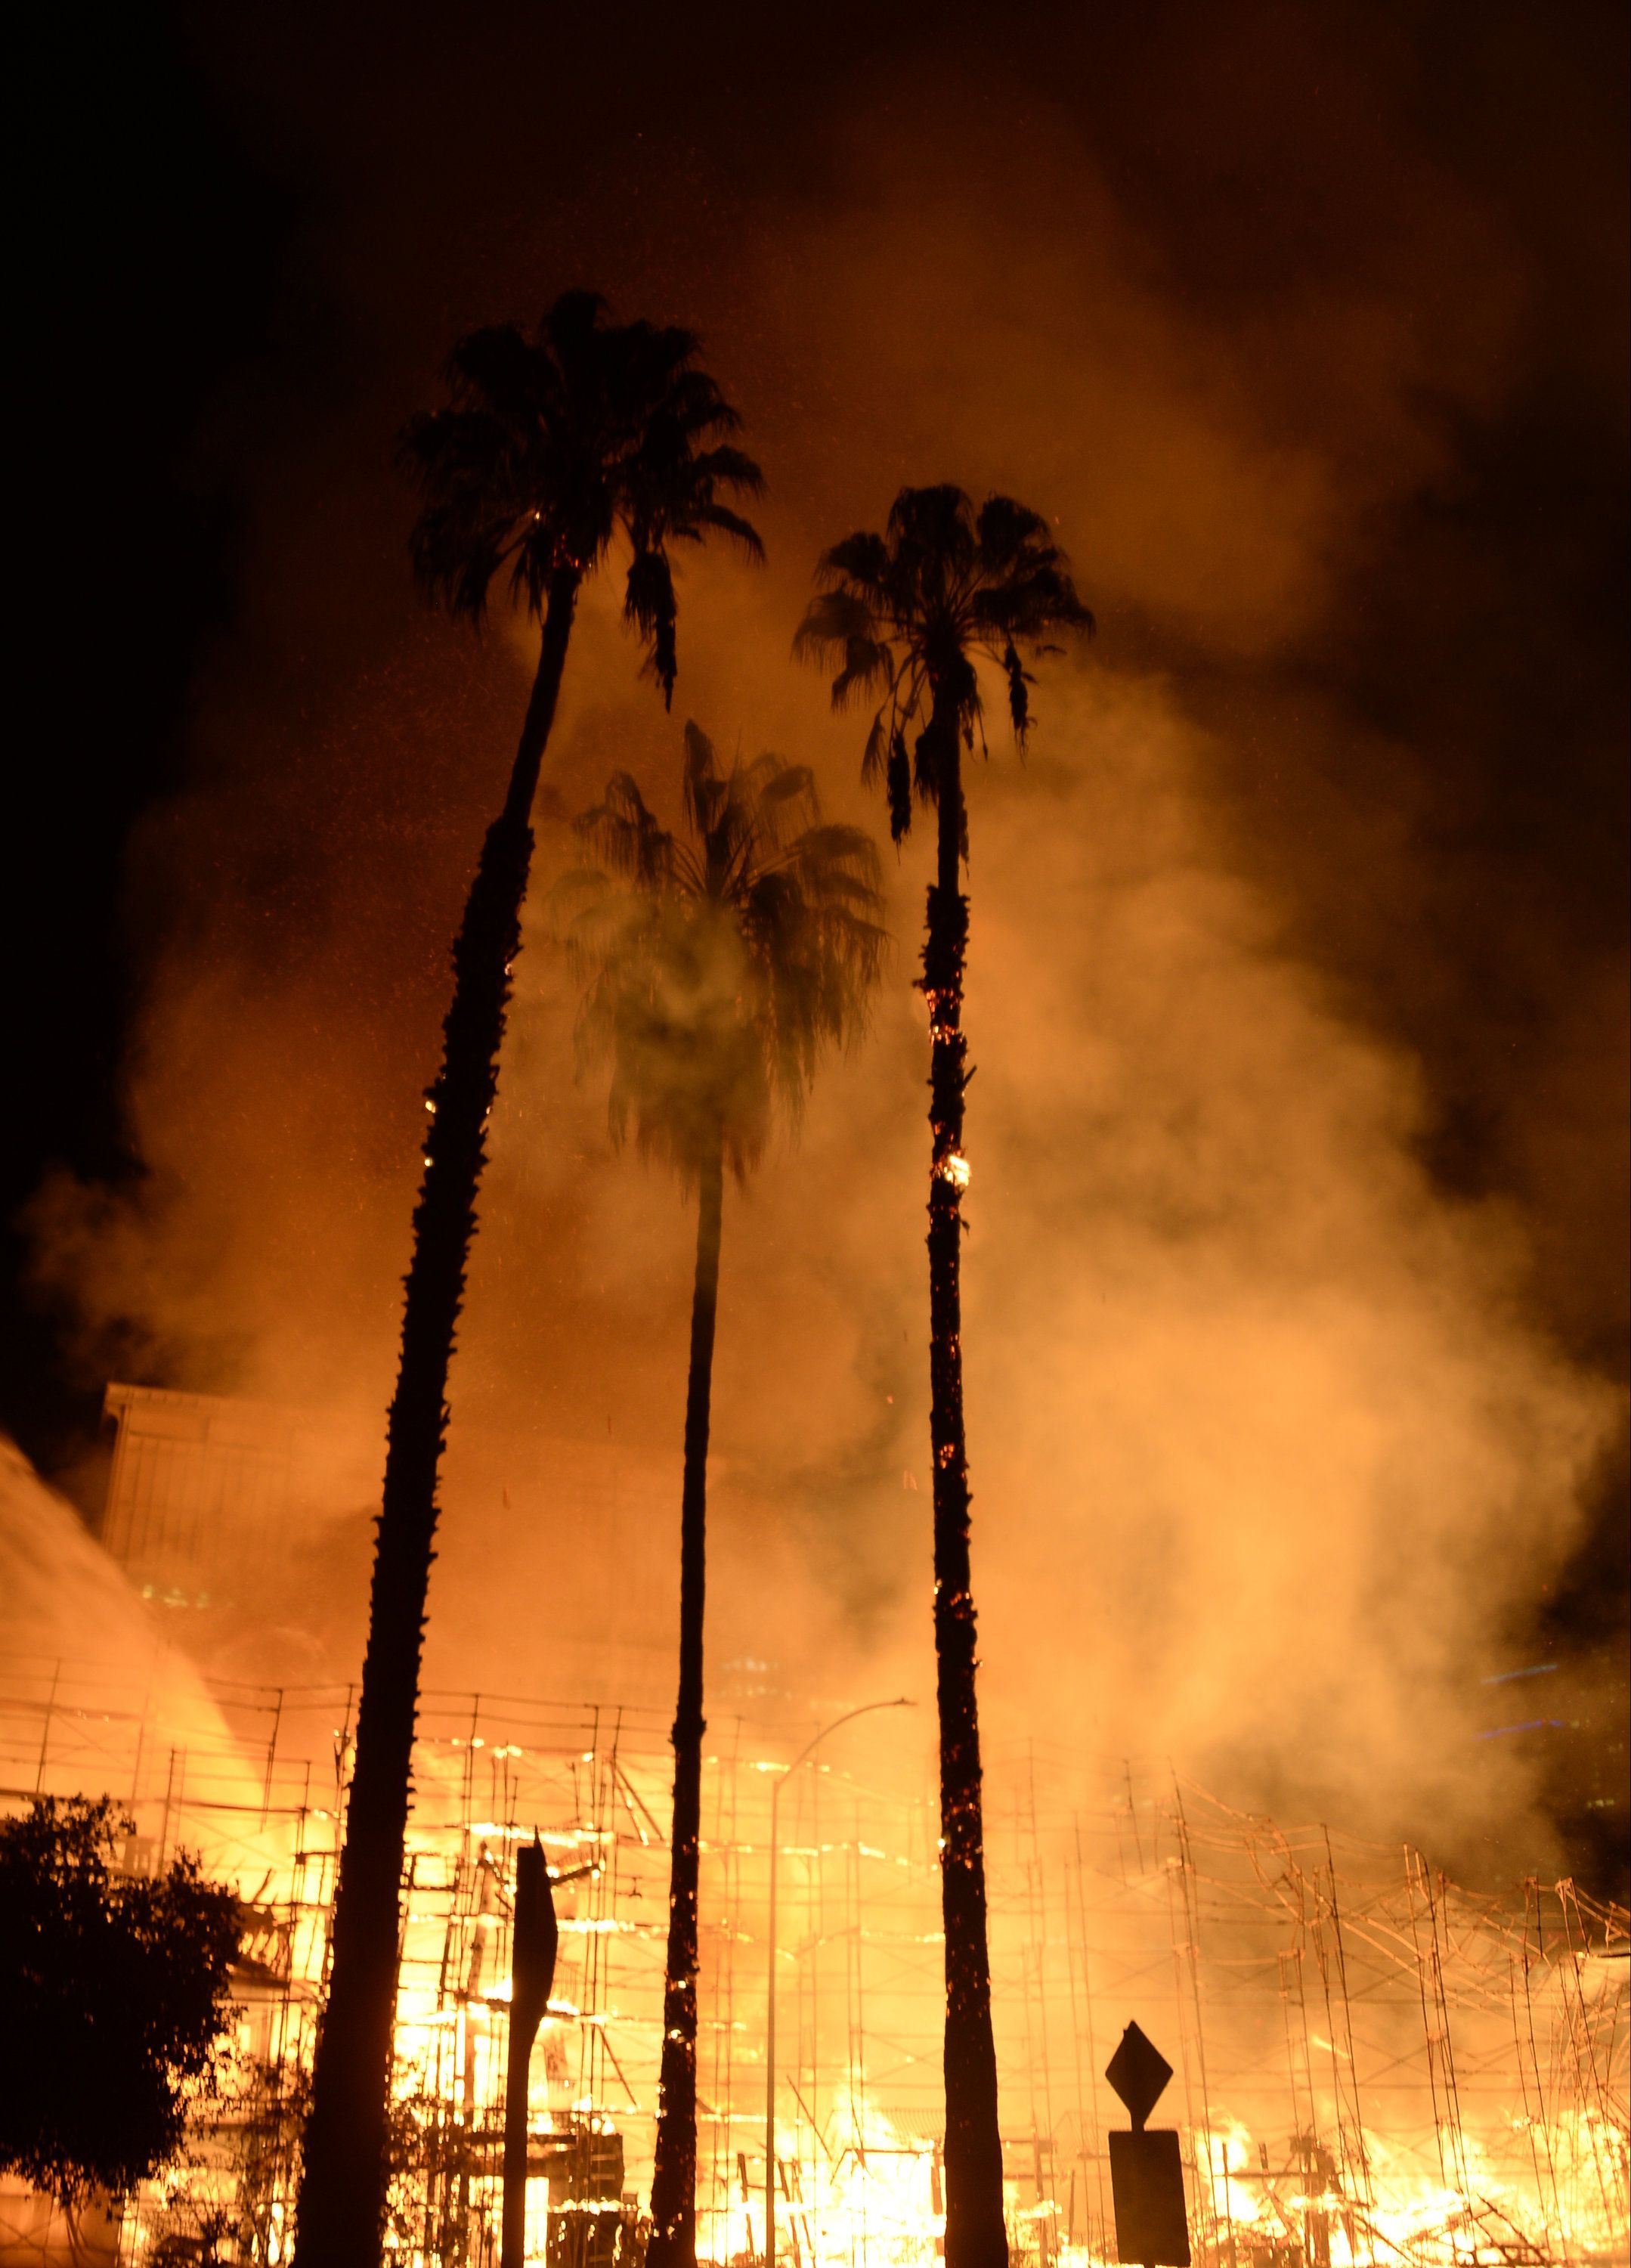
(1370,2066)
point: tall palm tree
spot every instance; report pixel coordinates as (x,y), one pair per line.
(712,979)
(912,612)
(553,448)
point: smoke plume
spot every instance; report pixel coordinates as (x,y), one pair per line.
(1274,1439)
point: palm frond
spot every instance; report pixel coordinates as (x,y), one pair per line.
(648,603)
(627,834)
(783,781)
(829,857)
(840,626)
(555,440)
(831,620)
(872,756)
(916,604)
(1005,529)
(728,467)
(898,784)
(704,790)
(691,399)
(495,370)
(713,977)
(780,807)
(569,324)
(933,520)
(741,531)
(866,660)
(1019,697)
(930,752)
(861,561)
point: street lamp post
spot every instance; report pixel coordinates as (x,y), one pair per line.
(865,1710)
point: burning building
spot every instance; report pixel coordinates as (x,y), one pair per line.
(247,1527)
(1372,2067)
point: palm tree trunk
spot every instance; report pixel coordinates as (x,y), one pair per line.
(343,2183)
(674,2182)
(975,2236)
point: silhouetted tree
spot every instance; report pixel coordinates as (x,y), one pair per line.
(912,612)
(712,980)
(114,1997)
(554,447)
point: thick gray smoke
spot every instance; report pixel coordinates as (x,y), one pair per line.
(1270,1452)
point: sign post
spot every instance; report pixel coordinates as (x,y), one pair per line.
(1146,2171)
(535,1937)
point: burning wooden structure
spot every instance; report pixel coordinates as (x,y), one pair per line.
(1372,2066)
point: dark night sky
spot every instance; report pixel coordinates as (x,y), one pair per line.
(250,233)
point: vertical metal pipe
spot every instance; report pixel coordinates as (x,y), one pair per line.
(865,1710)
(776,1799)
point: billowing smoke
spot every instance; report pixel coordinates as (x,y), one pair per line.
(1272,1447)
(88,1663)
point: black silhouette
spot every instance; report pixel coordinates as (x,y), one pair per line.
(911,611)
(535,1940)
(114,1996)
(1146,2166)
(553,446)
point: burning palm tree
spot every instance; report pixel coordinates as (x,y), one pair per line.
(552,448)
(712,979)
(911,612)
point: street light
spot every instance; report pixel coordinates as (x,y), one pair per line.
(865,1710)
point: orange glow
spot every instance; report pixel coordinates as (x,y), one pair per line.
(1338,2097)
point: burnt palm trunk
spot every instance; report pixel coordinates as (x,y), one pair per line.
(344,2184)
(674,2182)
(975,2236)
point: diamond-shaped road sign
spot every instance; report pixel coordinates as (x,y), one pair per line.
(1146,2170)
(1138,2072)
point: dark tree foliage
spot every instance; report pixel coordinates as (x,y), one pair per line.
(910,614)
(113,1999)
(713,978)
(555,447)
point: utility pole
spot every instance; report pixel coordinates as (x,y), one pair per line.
(535,1938)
